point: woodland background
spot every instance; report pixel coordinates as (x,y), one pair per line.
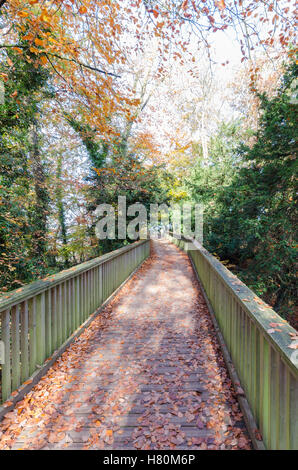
(110,98)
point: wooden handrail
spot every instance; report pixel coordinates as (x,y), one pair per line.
(34,288)
(37,320)
(258,341)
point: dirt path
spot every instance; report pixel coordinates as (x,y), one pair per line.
(146,374)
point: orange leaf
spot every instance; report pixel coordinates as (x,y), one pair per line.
(38,42)
(33,50)
(4,76)
(8,403)
(28,37)
(221,4)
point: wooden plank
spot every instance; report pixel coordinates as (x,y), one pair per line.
(274,401)
(293,399)
(15,348)
(104,281)
(74,304)
(254,390)
(24,342)
(64,311)
(246,354)
(284,425)
(96,289)
(48,323)
(84,297)
(257,410)
(89,295)
(40,329)
(100,285)
(266,392)
(78,300)
(6,366)
(32,335)
(59,306)
(54,319)
(93,291)
(69,307)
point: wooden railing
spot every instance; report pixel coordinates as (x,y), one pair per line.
(37,319)
(258,341)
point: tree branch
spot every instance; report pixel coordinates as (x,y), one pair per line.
(95,69)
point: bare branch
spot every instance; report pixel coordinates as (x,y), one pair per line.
(95,69)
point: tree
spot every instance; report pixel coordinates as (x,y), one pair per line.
(22,170)
(254,218)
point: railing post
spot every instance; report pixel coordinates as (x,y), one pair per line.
(24,342)
(6,366)
(54,319)
(15,347)
(40,329)
(32,335)
(48,323)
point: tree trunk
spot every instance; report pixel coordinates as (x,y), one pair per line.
(60,206)
(204,140)
(40,211)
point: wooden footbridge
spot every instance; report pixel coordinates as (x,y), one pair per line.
(132,351)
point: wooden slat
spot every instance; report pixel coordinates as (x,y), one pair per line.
(274,401)
(100,285)
(70,307)
(74,304)
(40,329)
(64,311)
(54,319)
(15,348)
(293,412)
(48,323)
(24,342)
(6,367)
(32,335)
(59,315)
(78,300)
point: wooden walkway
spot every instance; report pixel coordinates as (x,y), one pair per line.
(146,374)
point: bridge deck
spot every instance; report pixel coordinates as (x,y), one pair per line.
(146,374)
